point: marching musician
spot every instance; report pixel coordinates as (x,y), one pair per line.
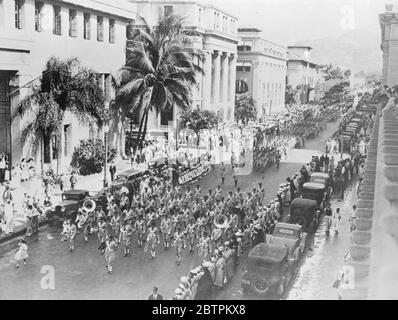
(178,243)
(152,239)
(125,237)
(110,255)
(165,228)
(139,228)
(71,235)
(191,235)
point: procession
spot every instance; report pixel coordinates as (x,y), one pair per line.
(168,150)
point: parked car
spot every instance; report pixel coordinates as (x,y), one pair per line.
(306,213)
(268,270)
(72,200)
(126,176)
(290,235)
(316,191)
(324,179)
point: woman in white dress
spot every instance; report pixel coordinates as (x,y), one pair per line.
(15,177)
(9,216)
(22,253)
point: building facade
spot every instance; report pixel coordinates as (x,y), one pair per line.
(302,73)
(213,31)
(389,44)
(261,71)
(33,31)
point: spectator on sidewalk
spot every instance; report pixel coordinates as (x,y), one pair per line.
(9,216)
(352,218)
(336,221)
(7,194)
(2,168)
(235,172)
(33,221)
(112,170)
(222,172)
(73,181)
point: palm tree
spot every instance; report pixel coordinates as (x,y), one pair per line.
(160,71)
(64,86)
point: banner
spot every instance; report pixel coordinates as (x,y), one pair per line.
(194,173)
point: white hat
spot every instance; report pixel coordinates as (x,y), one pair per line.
(178,291)
(220,248)
(215,251)
(184,279)
(181,286)
(226,243)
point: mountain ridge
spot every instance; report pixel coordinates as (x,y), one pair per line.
(358,50)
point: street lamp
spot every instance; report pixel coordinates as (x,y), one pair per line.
(106,130)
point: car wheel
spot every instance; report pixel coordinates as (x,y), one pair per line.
(260,285)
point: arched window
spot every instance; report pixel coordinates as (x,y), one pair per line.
(241,87)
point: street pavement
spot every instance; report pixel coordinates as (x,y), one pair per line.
(82,273)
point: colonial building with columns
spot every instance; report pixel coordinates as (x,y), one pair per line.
(389,44)
(302,73)
(33,31)
(213,31)
(261,71)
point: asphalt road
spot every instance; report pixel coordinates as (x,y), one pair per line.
(82,273)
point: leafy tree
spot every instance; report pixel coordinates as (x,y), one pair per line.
(159,73)
(197,120)
(336,94)
(331,72)
(89,157)
(245,108)
(64,86)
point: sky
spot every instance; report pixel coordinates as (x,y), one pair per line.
(289,21)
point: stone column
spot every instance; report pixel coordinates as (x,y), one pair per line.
(232,82)
(216,81)
(224,82)
(207,77)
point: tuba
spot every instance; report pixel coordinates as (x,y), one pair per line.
(221,221)
(89,205)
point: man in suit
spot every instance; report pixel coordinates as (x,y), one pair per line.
(155,295)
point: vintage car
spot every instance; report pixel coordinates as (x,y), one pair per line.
(316,191)
(306,213)
(72,200)
(290,235)
(126,176)
(268,270)
(323,178)
(157,162)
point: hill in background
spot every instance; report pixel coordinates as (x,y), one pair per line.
(358,50)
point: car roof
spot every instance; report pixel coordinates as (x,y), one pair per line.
(288,226)
(314,185)
(75,191)
(304,202)
(128,172)
(268,253)
(320,175)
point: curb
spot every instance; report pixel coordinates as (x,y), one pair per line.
(21,232)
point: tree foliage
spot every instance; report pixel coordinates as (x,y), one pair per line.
(65,85)
(245,108)
(159,74)
(89,157)
(197,120)
(336,94)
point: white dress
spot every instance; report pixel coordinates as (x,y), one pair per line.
(22,252)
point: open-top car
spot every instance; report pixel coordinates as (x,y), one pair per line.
(268,270)
(72,200)
(306,213)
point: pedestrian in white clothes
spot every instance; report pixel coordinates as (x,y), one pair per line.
(336,221)
(22,253)
(9,216)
